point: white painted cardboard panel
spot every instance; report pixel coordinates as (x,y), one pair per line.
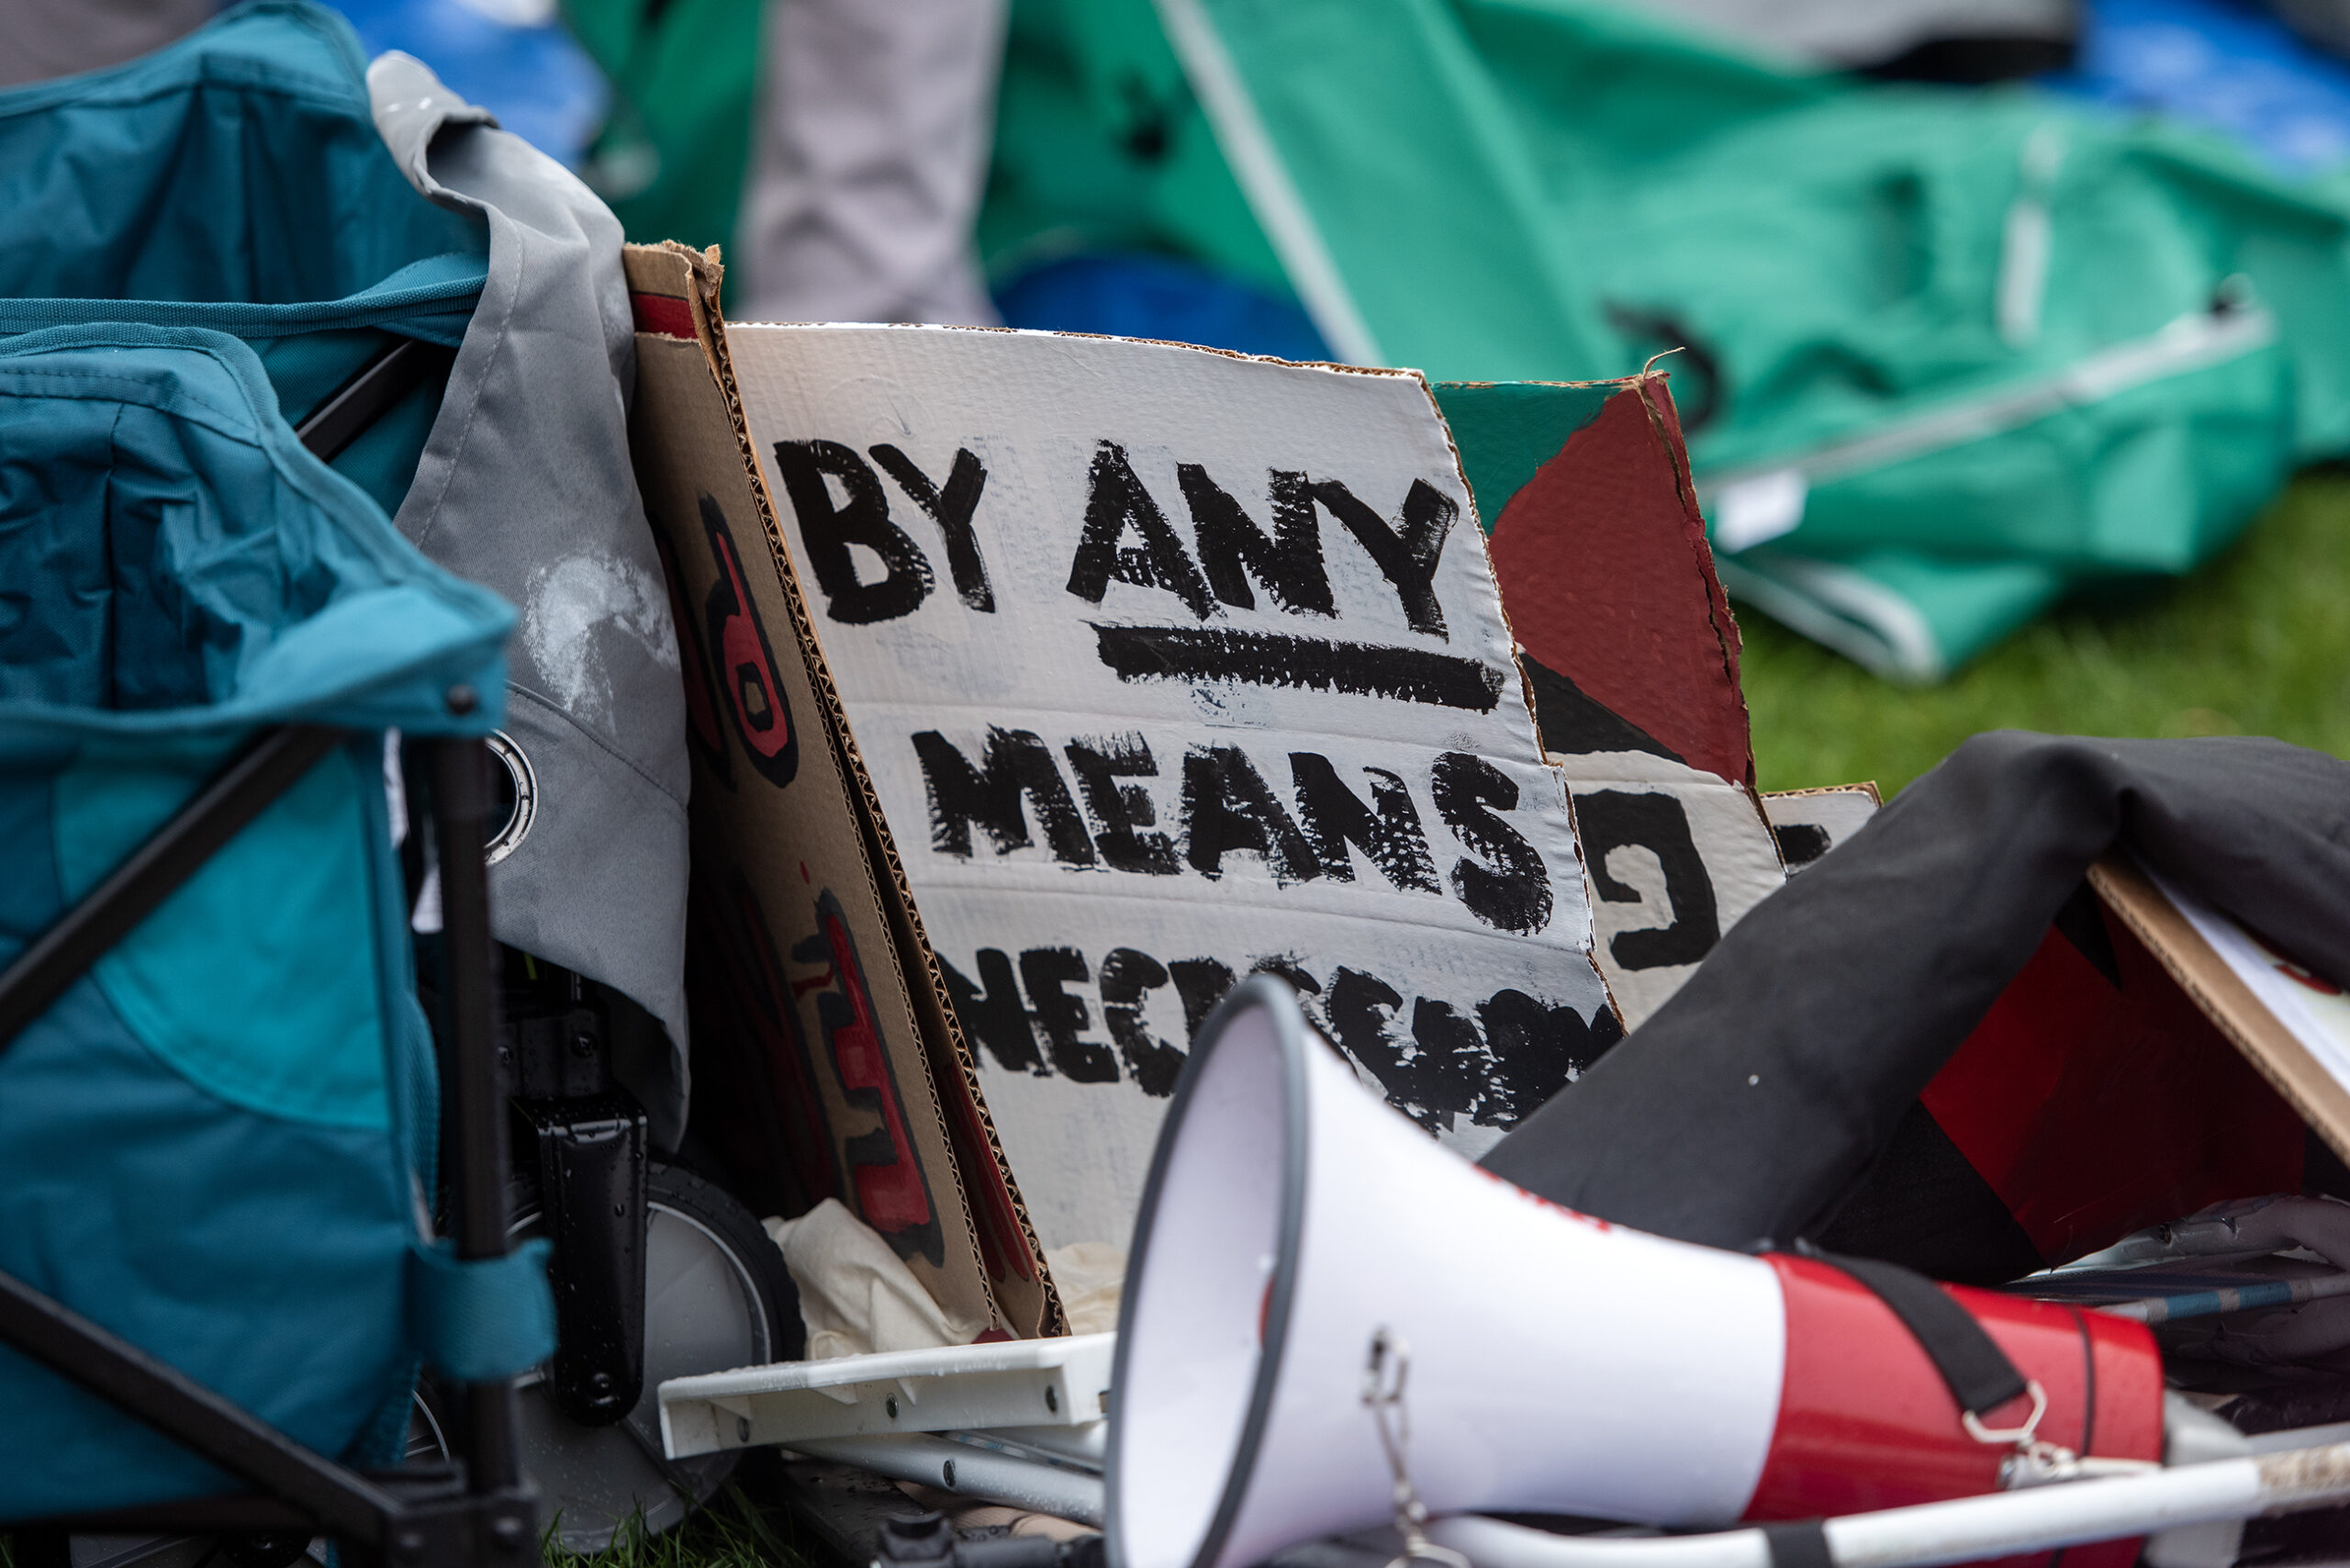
(2313,1007)
(1677,857)
(1810,823)
(1169,665)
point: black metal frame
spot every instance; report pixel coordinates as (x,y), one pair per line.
(478,1513)
(345,414)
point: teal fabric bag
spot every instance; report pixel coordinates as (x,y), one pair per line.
(235,180)
(217,1143)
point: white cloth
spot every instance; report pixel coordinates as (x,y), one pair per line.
(868,155)
(1090,1276)
(855,1296)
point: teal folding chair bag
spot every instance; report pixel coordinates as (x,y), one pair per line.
(236,181)
(218,1142)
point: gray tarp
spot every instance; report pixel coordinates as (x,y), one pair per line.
(525,486)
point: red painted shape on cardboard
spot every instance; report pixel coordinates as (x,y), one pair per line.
(2093,1112)
(663,316)
(746,661)
(1003,1251)
(1866,1422)
(890,1193)
(1607,579)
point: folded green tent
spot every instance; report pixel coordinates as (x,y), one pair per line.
(1948,353)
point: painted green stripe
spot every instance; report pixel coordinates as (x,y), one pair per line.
(1506,430)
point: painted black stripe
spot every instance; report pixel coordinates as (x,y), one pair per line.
(1271,658)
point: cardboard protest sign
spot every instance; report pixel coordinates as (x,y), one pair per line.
(1169,665)
(1808,824)
(1632,657)
(1676,856)
(823,1063)
(1626,634)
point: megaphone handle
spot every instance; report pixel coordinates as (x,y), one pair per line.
(1383,1394)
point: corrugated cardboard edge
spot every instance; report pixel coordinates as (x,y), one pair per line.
(1656,394)
(1655,390)
(2224,999)
(673,353)
(1867,786)
(681,272)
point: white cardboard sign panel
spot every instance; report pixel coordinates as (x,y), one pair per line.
(1169,665)
(1677,857)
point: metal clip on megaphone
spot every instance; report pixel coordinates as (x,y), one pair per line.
(1808,1412)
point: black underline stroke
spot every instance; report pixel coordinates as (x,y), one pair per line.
(1213,653)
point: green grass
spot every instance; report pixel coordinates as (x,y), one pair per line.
(734,1531)
(2258,643)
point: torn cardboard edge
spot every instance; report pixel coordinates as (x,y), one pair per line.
(675,294)
(1630,653)
(2223,996)
(1808,824)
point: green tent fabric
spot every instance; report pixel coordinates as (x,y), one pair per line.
(1101,145)
(671,157)
(1101,142)
(1950,353)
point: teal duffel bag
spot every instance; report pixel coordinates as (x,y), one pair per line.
(217,1143)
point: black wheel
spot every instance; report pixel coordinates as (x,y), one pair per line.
(717,1295)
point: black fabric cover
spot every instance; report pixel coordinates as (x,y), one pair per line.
(1924,1206)
(1746,1107)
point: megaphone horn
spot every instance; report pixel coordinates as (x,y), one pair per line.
(1556,1363)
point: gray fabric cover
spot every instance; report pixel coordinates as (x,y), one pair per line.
(868,156)
(525,486)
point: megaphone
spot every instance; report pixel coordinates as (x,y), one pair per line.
(1549,1362)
